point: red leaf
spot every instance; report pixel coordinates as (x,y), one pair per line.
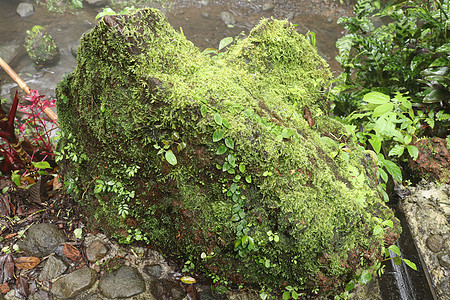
(8,268)
(21,287)
(27,262)
(71,252)
(4,288)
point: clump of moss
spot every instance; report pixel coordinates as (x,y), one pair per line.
(41,47)
(218,155)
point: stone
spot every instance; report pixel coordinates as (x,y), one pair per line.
(9,52)
(25,10)
(434,243)
(96,250)
(97,3)
(53,268)
(267,6)
(122,283)
(41,239)
(228,18)
(444,259)
(41,47)
(219,156)
(40,295)
(167,289)
(72,284)
(154,270)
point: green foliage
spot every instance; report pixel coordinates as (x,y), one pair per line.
(62,5)
(402,47)
(389,125)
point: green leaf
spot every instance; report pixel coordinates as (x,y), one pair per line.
(222,149)
(78,233)
(383,174)
(203,110)
(350,286)
(388,223)
(106,12)
(375,141)
(397,150)
(377,230)
(231,160)
(170,157)
(218,135)
(248,179)
(229,143)
(395,249)
(413,151)
(397,260)
(376,98)
(242,167)
(410,264)
(41,165)
(393,169)
(382,109)
(225,42)
(286,295)
(225,123)
(365,277)
(217,119)
(245,240)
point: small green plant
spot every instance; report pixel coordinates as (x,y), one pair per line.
(222,45)
(401,47)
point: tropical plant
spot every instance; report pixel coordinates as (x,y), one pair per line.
(401,47)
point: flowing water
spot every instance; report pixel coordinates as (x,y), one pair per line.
(205,23)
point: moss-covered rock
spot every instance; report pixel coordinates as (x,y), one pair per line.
(41,47)
(229,160)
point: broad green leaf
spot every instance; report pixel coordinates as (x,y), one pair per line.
(78,233)
(286,295)
(241,167)
(170,157)
(350,286)
(376,98)
(382,109)
(248,179)
(229,143)
(365,277)
(217,119)
(377,230)
(388,223)
(393,169)
(397,150)
(410,264)
(383,174)
(395,249)
(375,141)
(222,149)
(42,165)
(231,160)
(225,42)
(397,260)
(225,123)
(218,135)
(245,239)
(413,151)
(210,50)
(203,110)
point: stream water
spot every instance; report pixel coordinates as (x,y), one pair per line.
(205,23)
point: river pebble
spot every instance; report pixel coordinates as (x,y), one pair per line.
(41,239)
(74,283)
(228,18)
(25,9)
(122,283)
(434,242)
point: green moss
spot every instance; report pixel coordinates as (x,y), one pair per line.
(141,89)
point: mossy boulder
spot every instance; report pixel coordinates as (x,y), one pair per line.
(41,47)
(230,161)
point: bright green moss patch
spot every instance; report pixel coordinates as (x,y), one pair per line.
(216,156)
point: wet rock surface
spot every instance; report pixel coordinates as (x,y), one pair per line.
(72,284)
(41,239)
(122,283)
(25,10)
(427,210)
